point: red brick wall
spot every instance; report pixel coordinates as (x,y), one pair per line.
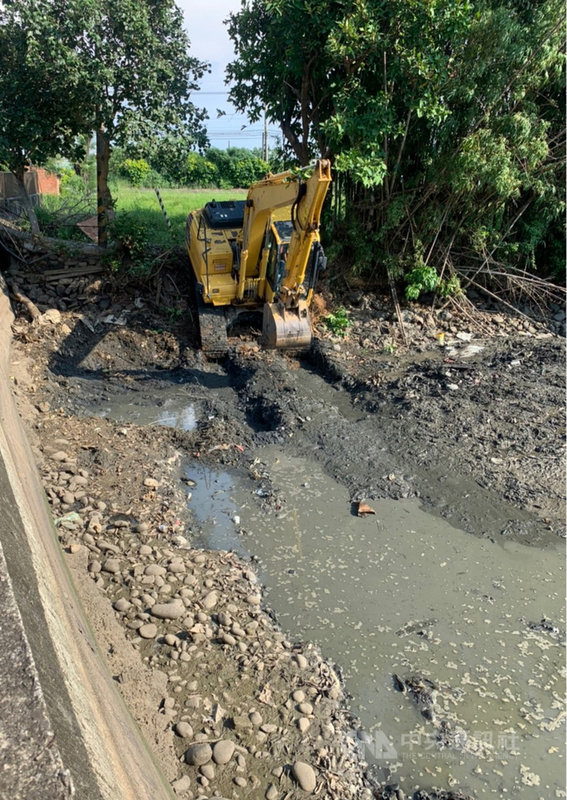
(37,181)
(48,183)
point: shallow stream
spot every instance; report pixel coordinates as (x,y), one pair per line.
(402,592)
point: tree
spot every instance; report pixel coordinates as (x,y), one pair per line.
(444,119)
(41,109)
(140,78)
(281,68)
(128,68)
(447,121)
(237,166)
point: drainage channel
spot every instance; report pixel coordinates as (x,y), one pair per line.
(401,593)
(451,646)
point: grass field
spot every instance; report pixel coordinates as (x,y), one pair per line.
(142,204)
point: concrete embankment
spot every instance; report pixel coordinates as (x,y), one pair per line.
(64,729)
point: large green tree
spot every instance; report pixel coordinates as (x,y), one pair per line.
(139,76)
(126,64)
(281,68)
(444,119)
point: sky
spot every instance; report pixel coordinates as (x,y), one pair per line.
(210,42)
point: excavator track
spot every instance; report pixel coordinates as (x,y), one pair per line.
(212,328)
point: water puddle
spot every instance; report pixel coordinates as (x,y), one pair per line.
(404,593)
(173,412)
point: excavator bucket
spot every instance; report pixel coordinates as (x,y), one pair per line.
(286,329)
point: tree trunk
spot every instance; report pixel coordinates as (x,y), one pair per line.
(104,198)
(27,201)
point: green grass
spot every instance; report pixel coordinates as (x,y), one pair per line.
(143,206)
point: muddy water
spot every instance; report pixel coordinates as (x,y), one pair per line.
(403,592)
(400,593)
(174,412)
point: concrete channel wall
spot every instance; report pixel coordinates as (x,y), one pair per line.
(64,729)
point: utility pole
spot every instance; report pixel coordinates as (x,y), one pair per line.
(102,216)
(265,148)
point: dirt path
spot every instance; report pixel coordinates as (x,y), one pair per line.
(473,428)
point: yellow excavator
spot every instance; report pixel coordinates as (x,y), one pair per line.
(264,250)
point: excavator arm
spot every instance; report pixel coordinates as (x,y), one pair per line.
(264,199)
(305,217)
(286,321)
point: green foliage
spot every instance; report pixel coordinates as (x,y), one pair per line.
(136,171)
(421,279)
(173,163)
(58,215)
(71,184)
(445,120)
(199,171)
(337,322)
(173,314)
(282,68)
(41,108)
(424,279)
(237,167)
(132,238)
(118,67)
(449,287)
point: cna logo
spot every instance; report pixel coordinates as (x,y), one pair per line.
(376,747)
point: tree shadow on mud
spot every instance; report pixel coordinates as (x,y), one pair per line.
(83,354)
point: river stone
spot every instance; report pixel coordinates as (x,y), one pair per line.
(303,724)
(240,721)
(305,708)
(271,792)
(168,610)
(111,565)
(148,631)
(208,771)
(60,455)
(304,774)
(151,483)
(300,660)
(299,695)
(222,751)
(224,619)
(253,600)
(198,754)
(268,727)
(183,729)
(155,569)
(122,604)
(210,600)
(181,785)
